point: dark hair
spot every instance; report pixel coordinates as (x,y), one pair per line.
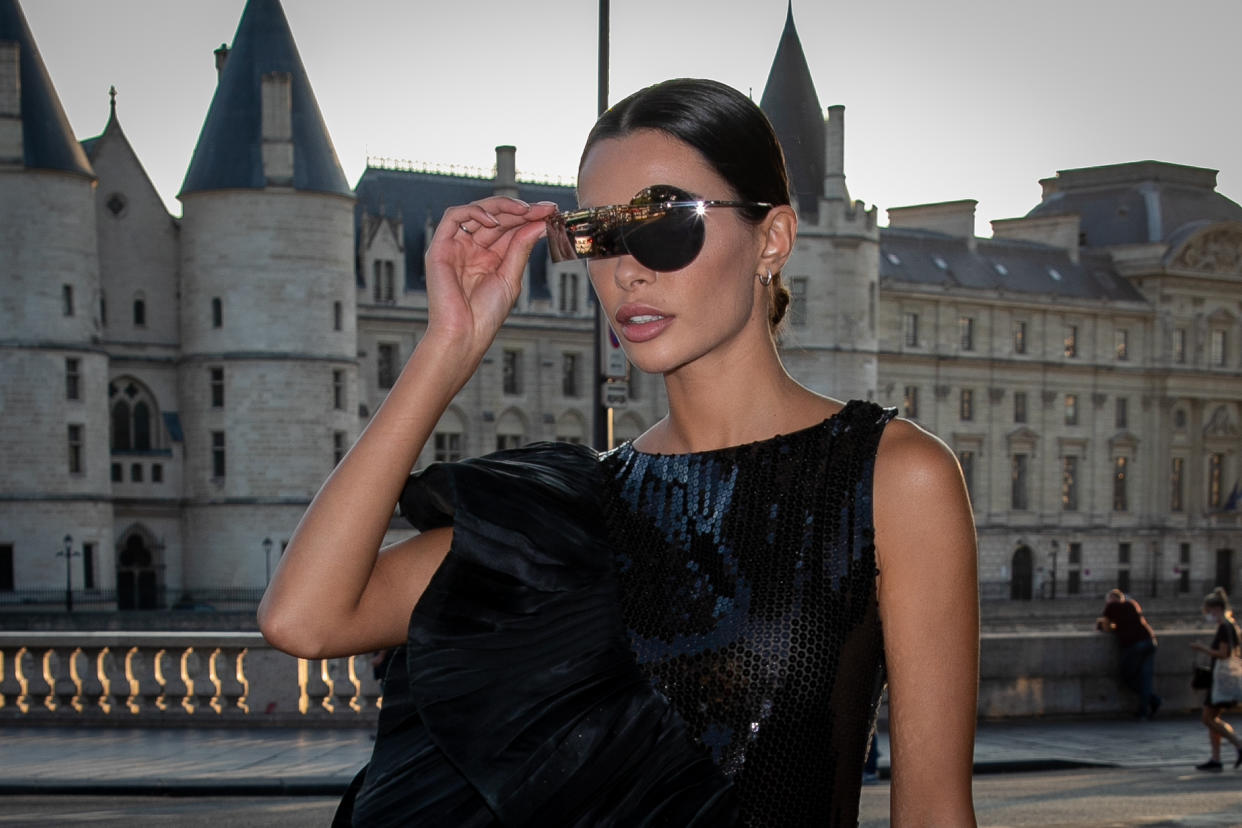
(727,128)
(1218,598)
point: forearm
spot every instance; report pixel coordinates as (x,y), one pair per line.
(326,567)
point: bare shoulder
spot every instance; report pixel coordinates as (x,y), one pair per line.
(911,456)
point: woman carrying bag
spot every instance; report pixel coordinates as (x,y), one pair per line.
(1226,686)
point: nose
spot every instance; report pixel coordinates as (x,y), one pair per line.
(629,274)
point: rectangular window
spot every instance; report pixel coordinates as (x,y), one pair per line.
(1121,495)
(966,332)
(217,454)
(1123,580)
(1069,484)
(338,446)
(1018,499)
(1218,348)
(1071,341)
(338,316)
(7,582)
(66,299)
(1073,582)
(217,387)
(910,404)
(377,279)
(966,405)
(1075,554)
(1121,418)
(1216,472)
(511,372)
(569,293)
(390,282)
(1071,409)
(1177,484)
(1123,553)
(797,304)
(338,389)
(135,472)
(966,459)
(910,329)
(118,473)
(77,459)
(1019,406)
(217,313)
(157,473)
(1121,343)
(140,313)
(1019,337)
(88,566)
(447,446)
(73,378)
(1183,568)
(508,441)
(569,375)
(386,367)
(1179,345)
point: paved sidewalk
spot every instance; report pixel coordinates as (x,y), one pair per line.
(322,761)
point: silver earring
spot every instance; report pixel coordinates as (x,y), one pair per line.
(765,279)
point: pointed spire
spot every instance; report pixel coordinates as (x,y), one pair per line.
(230,152)
(47,138)
(792,105)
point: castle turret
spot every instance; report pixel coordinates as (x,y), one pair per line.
(268,374)
(829,341)
(54,484)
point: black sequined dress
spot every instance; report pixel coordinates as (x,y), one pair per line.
(639,640)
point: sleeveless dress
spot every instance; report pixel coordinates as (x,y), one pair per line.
(639,640)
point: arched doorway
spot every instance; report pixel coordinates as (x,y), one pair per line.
(1022,574)
(137,576)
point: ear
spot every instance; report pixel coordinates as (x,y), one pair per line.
(778,232)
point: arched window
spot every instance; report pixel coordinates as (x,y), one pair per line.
(142,426)
(120,426)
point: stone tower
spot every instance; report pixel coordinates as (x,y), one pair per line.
(268,374)
(829,342)
(54,481)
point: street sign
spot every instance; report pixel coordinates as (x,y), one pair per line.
(613,358)
(616,395)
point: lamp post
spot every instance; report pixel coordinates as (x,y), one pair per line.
(68,554)
(267,560)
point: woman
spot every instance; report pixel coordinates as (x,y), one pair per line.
(1224,644)
(684,631)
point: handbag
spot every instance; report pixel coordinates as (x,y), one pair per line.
(1202,678)
(1227,676)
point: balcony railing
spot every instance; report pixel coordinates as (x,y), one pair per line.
(173,677)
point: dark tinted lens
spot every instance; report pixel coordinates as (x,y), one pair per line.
(668,242)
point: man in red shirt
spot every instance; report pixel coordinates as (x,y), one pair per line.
(1137,640)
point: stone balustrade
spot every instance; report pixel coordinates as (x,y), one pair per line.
(177,677)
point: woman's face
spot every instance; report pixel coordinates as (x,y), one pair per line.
(666,320)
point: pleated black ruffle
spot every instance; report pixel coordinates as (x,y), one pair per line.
(519,702)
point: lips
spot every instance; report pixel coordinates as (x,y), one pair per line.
(639,323)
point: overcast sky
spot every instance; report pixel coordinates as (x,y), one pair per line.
(944,100)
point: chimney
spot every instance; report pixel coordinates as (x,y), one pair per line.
(11,148)
(277,116)
(222,56)
(952,218)
(506,171)
(834,155)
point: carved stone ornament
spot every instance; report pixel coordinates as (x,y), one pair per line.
(1049,397)
(1221,424)
(1217,251)
(996,394)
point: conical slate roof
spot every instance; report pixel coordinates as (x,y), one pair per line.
(47,138)
(229,154)
(790,102)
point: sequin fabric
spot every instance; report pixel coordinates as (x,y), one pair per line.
(747,586)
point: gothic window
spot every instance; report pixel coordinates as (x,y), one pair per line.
(134,416)
(1069,484)
(122,439)
(142,426)
(386,368)
(390,282)
(73,378)
(1121,495)
(77,459)
(797,304)
(377,288)
(217,454)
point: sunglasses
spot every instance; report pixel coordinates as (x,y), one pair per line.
(662,228)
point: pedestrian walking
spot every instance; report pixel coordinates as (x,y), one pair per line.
(1221,695)
(1123,616)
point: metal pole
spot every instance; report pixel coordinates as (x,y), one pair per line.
(68,573)
(600,438)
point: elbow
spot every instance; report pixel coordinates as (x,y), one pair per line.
(287,632)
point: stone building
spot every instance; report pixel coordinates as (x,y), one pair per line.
(175,389)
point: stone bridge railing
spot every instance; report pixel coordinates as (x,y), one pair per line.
(177,678)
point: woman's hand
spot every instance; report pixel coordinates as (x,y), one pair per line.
(474,267)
